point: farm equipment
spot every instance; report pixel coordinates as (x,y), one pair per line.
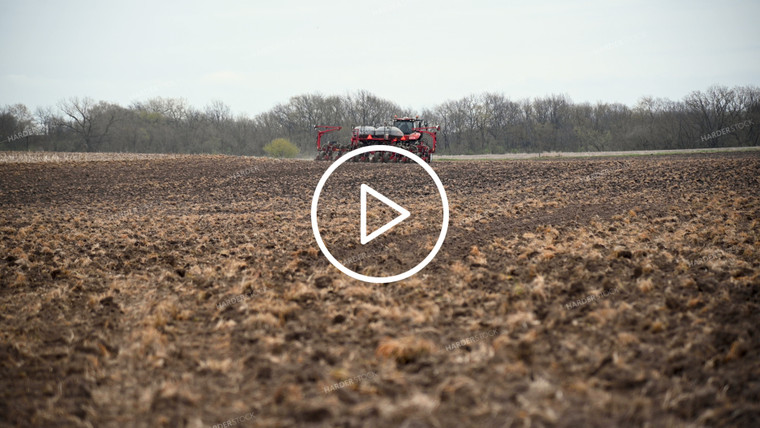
(407,133)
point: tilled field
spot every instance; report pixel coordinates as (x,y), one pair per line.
(190,291)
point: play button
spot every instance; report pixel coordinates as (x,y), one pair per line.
(408,248)
(363,223)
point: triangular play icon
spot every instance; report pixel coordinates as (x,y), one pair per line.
(363,225)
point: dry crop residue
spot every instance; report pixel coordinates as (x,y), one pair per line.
(189,291)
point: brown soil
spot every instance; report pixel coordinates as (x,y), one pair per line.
(190,291)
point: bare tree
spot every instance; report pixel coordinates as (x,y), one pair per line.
(45,119)
(218,112)
(90,121)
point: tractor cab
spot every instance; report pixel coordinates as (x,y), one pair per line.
(407,124)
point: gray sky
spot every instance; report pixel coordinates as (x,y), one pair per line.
(253,55)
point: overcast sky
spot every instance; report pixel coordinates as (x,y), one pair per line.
(252,55)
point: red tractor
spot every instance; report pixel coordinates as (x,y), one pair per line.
(407,133)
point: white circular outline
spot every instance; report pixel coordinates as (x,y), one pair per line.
(379,279)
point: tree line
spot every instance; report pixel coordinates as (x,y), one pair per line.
(487,123)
